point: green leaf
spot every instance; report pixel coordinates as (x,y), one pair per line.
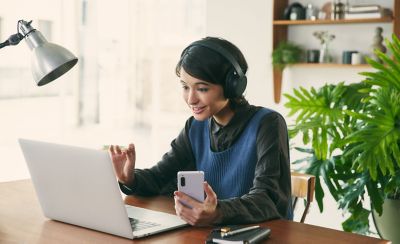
(319,194)
(353,191)
(305,150)
(358,222)
(375,196)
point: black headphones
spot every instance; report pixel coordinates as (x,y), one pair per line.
(236,80)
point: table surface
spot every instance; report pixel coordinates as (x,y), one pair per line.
(21,221)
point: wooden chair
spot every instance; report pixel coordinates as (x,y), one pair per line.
(303,186)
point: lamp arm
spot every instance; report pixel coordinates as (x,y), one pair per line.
(3,44)
(12,40)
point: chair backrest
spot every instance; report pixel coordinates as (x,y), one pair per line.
(303,186)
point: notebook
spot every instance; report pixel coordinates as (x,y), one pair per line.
(77,186)
(247,237)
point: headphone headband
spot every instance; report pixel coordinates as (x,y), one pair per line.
(221,51)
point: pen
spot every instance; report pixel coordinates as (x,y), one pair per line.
(234,232)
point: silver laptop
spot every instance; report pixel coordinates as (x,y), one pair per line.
(78,186)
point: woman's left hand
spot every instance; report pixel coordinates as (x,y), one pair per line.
(200,213)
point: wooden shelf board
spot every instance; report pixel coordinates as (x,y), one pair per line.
(330,22)
(331,65)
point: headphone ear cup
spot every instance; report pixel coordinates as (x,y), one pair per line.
(234,85)
(241,85)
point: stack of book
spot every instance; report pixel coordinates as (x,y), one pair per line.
(366,11)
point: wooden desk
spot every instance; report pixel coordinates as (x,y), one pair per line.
(21,221)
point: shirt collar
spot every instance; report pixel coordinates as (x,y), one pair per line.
(216,128)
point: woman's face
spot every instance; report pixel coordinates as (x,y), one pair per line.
(205,99)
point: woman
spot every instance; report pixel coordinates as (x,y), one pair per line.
(242,149)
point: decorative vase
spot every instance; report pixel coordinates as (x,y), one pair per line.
(388,223)
(377,44)
(324,56)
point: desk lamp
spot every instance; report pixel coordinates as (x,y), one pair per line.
(49,60)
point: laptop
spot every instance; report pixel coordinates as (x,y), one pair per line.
(77,186)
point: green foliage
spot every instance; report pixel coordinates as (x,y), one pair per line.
(286,53)
(354,134)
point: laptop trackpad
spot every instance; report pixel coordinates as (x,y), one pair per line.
(152,216)
(145,222)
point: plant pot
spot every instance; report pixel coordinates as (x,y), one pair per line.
(388,223)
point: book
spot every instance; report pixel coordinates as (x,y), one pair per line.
(364,8)
(361,12)
(370,15)
(373,15)
(247,237)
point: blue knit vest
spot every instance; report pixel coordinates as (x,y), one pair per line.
(231,172)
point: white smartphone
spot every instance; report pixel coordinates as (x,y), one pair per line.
(191,183)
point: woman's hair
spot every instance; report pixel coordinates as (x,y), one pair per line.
(206,64)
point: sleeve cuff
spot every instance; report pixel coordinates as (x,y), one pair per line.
(223,212)
(125,189)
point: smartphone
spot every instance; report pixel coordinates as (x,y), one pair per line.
(191,183)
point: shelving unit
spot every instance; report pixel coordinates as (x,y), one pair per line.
(330,22)
(331,65)
(280,33)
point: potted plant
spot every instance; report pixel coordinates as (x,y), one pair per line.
(285,54)
(354,134)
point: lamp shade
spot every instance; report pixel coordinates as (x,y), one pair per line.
(49,60)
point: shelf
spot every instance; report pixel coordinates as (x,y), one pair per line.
(387,19)
(330,65)
(280,29)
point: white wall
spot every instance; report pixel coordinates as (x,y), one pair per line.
(248,26)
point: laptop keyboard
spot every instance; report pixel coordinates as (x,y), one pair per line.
(141,224)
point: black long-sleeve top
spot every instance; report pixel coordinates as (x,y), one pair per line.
(270,196)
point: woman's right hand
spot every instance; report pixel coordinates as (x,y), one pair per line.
(124,163)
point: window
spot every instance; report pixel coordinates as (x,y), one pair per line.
(130,51)
(123,89)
